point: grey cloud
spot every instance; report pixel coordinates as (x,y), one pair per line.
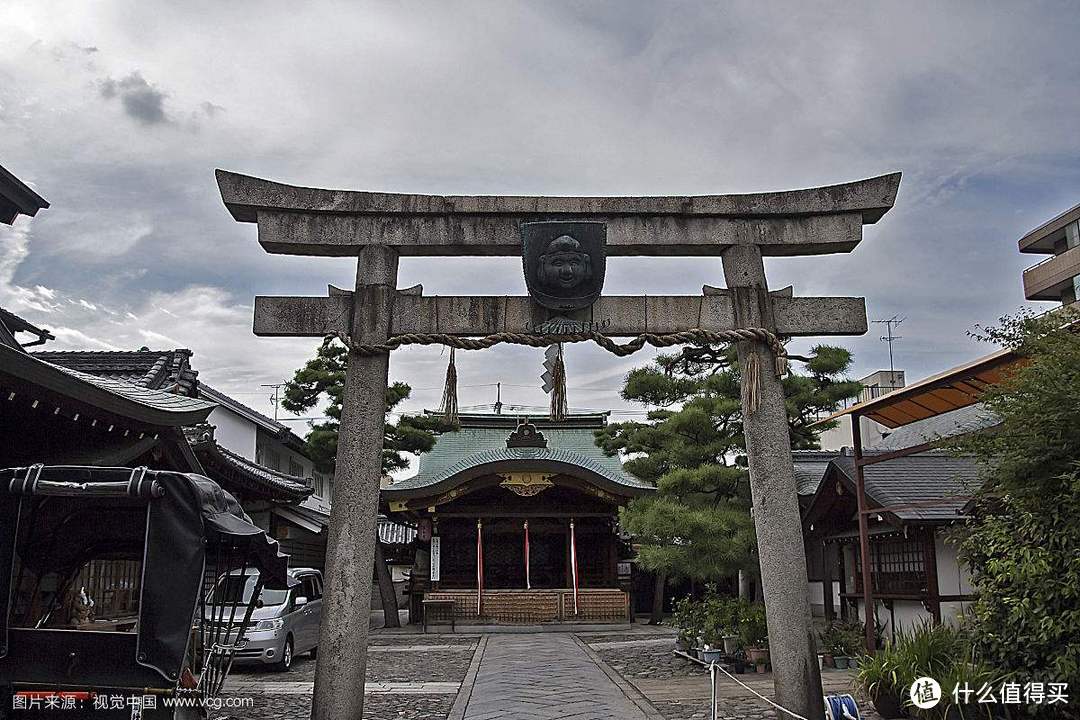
(140,100)
(545,98)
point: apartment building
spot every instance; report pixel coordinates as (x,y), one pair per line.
(1058,276)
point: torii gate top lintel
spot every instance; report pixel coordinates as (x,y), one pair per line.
(297,220)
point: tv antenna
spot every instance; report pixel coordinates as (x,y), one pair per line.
(275,399)
(890,325)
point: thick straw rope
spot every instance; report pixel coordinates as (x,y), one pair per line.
(697,336)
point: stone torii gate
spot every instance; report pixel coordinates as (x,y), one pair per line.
(378,228)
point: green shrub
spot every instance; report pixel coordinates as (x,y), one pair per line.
(715,616)
(1023,541)
(844,638)
(940,652)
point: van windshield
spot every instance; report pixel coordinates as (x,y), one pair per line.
(236,587)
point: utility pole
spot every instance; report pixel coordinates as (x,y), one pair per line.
(498,398)
(890,324)
(276,397)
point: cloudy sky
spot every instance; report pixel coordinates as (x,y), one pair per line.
(118,113)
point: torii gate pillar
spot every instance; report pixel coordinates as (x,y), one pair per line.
(350,543)
(796,676)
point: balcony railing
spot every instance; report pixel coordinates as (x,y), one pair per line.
(1046,280)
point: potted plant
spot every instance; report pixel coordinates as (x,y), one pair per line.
(940,652)
(687,618)
(839,647)
(754,633)
(762,666)
(740,662)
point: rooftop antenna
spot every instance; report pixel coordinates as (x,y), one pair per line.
(498,398)
(275,399)
(890,324)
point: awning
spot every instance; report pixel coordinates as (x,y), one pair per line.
(951,390)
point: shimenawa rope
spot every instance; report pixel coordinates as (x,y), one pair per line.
(695,336)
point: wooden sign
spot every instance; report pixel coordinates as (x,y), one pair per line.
(436,557)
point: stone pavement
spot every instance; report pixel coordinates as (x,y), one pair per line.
(543,677)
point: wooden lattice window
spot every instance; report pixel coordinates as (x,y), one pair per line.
(897,566)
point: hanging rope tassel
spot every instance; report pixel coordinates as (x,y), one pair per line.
(449,407)
(781,365)
(558,387)
(752,380)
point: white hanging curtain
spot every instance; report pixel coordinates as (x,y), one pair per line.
(573,564)
(479,566)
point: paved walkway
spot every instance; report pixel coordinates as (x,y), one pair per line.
(544,677)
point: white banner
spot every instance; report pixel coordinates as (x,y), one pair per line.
(436,553)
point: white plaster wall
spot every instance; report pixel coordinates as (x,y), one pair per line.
(840,436)
(953,579)
(233,432)
(265,442)
(904,616)
(816,591)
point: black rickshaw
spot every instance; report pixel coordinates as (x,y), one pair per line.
(110,604)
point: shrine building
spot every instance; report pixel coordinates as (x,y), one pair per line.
(517,522)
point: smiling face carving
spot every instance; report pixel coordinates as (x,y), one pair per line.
(564,265)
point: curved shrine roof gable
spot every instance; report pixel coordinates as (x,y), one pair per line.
(457,452)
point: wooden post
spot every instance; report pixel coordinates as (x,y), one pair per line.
(933,596)
(350,547)
(864,533)
(827,562)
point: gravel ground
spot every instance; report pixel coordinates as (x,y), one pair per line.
(656,662)
(430,666)
(736,709)
(647,661)
(420,639)
(376,707)
(621,637)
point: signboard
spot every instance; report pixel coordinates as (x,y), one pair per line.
(436,556)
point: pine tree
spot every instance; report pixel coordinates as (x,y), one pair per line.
(691,446)
(324,377)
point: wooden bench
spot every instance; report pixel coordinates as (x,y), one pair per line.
(438,610)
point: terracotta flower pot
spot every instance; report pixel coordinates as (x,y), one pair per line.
(757,655)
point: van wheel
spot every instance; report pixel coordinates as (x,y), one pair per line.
(285,662)
(314,653)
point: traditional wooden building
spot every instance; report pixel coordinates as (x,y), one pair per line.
(518,522)
(915,572)
(60,416)
(256,458)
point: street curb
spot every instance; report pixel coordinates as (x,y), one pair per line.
(461,702)
(627,688)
